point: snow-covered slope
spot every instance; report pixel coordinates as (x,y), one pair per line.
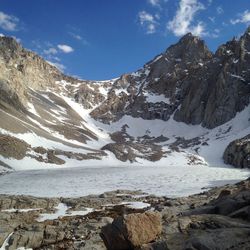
(182,144)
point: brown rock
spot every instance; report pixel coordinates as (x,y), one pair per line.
(224,193)
(132,231)
(11,147)
(54,159)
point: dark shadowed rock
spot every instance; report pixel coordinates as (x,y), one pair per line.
(219,239)
(161,245)
(243,213)
(237,153)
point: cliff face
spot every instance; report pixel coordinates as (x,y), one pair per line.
(20,70)
(156,91)
(186,81)
(237,153)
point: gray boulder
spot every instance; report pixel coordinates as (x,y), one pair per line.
(237,153)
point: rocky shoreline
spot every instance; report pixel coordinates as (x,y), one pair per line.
(215,219)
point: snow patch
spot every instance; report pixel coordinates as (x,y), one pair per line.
(14,210)
(238,77)
(154,98)
(62,211)
(136,204)
(157,58)
(6,243)
(32,109)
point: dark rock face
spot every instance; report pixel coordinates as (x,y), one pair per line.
(219,89)
(88,97)
(112,109)
(198,87)
(237,153)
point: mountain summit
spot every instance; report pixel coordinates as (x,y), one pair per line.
(186,105)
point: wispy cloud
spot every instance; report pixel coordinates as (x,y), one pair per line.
(65,48)
(212,19)
(76,36)
(155,3)
(214,34)
(59,66)
(8,22)
(184,17)
(79,38)
(242,18)
(146,17)
(50,51)
(219,10)
(148,21)
(210,2)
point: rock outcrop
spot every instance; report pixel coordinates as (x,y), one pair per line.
(237,153)
(22,69)
(14,148)
(131,231)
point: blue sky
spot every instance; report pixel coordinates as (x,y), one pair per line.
(102,39)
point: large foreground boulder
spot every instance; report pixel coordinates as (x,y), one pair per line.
(131,231)
(237,153)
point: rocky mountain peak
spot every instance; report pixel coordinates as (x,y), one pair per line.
(248,30)
(190,48)
(220,88)
(246,39)
(236,49)
(9,42)
(9,47)
(189,37)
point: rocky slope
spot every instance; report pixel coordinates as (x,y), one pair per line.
(187,104)
(216,219)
